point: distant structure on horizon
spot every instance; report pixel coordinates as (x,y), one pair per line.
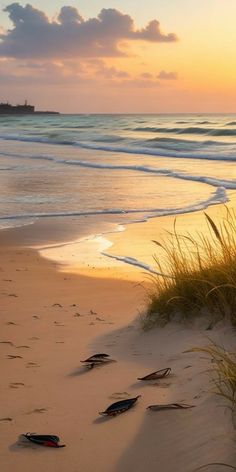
(25,109)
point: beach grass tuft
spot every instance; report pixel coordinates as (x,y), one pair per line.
(224,370)
(198,276)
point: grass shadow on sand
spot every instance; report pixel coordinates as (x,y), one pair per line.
(179,441)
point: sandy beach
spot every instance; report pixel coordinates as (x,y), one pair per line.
(117,236)
(53,317)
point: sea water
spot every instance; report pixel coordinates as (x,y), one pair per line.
(114,168)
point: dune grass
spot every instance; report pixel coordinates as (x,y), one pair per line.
(224,370)
(199,275)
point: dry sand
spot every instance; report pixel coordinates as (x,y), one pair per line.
(50,320)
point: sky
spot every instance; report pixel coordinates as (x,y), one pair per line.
(119,56)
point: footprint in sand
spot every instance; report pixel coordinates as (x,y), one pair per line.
(119,395)
(7,342)
(6,419)
(10,356)
(92,312)
(16,384)
(57,323)
(11,323)
(23,347)
(32,364)
(37,410)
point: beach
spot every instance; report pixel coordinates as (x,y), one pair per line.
(117,236)
(55,314)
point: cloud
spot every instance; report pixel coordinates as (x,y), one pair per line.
(146,75)
(163,75)
(34,36)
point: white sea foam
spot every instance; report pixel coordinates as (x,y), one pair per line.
(136,263)
(219,196)
(213,181)
(229,184)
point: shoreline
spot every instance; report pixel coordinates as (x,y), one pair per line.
(54,319)
(126,248)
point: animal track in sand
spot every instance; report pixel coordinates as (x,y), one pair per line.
(23,347)
(7,342)
(6,419)
(11,323)
(37,410)
(57,304)
(12,295)
(11,356)
(16,384)
(57,323)
(119,395)
(32,364)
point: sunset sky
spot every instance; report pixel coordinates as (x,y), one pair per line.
(123,56)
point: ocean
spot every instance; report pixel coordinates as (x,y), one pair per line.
(113,169)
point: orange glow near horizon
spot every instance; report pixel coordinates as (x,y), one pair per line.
(195,73)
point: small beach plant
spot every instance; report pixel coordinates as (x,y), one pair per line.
(224,370)
(198,275)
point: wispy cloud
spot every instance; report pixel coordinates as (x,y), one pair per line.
(35,36)
(163,75)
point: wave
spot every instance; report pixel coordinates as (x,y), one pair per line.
(190,130)
(218,196)
(187,143)
(160,152)
(205,122)
(229,184)
(213,181)
(134,262)
(109,139)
